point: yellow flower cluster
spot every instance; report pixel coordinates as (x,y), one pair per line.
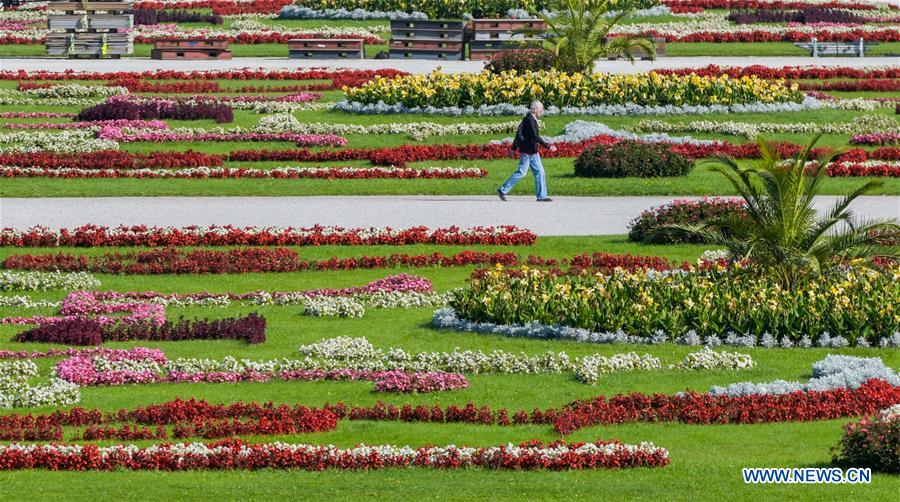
(555,88)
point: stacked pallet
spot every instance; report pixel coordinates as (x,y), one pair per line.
(490,36)
(190,48)
(92,29)
(326,48)
(427,39)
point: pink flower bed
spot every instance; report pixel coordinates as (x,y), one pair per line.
(877,138)
(115,133)
(36,115)
(103,124)
(89,305)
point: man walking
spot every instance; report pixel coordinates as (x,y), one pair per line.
(526,142)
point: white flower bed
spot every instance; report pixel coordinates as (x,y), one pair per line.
(65,141)
(297,12)
(447,318)
(285,122)
(708,359)
(16,392)
(333,306)
(859,125)
(75,91)
(808,103)
(833,372)
(582,130)
(43,281)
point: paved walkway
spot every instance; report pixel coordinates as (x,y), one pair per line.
(564,216)
(418,66)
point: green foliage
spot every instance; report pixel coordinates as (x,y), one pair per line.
(580,33)
(782,231)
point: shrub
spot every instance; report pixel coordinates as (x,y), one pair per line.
(521,60)
(682,212)
(631,158)
(872,443)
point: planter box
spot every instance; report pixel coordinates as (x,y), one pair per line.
(326,48)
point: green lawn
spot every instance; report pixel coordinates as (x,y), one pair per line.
(706,460)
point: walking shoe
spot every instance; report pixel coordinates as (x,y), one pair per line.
(545,199)
(501,195)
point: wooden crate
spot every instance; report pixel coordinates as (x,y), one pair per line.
(89,44)
(326,48)
(190,48)
(89,6)
(91,22)
(432,39)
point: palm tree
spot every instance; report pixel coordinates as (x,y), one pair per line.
(781,230)
(580,33)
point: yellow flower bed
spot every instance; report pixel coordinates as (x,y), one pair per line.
(555,88)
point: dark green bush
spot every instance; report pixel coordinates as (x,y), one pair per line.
(631,158)
(521,60)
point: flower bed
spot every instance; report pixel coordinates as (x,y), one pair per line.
(641,229)
(251,329)
(877,138)
(235,455)
(174,261)
(98,307)
(113,109)
(330,173)
(96,236)
(872,443)
(141,366)
(710,303)
(339,77)
(43,281)
(560,89)
(16,392)
(111,160)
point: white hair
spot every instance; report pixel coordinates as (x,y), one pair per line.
(536,105)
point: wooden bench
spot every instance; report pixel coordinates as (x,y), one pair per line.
(190,48)
(490,36)
(326,48)
(432,39)
(817,48)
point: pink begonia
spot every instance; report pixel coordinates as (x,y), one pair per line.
(118,123)
(114,133)
(81,369)
(87,304)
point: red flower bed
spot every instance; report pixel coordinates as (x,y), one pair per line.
(885,153)
(111,159)
(251,329)
(189,418)
(284,173)
(872,442)
(236,261)
(338,77)
(689,408)
(788,72)
(765,4)
(233,454)
(227,235)
(886,35)
(876,85)
(859,169)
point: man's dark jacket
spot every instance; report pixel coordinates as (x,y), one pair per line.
(527,137)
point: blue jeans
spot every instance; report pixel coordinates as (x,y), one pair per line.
(540,183)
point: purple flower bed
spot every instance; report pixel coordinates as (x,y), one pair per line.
(805,16)
(123,108)
(151,17)
(876,138)
(641,229)
(251,329)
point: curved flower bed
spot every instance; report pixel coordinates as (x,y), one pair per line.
(235,455)
(96,236)
(16,391)
(560,89)
(111,159)
(95,306)
(854,302)
(339,77)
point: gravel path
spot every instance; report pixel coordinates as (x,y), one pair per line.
(416,66)
(564,216)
